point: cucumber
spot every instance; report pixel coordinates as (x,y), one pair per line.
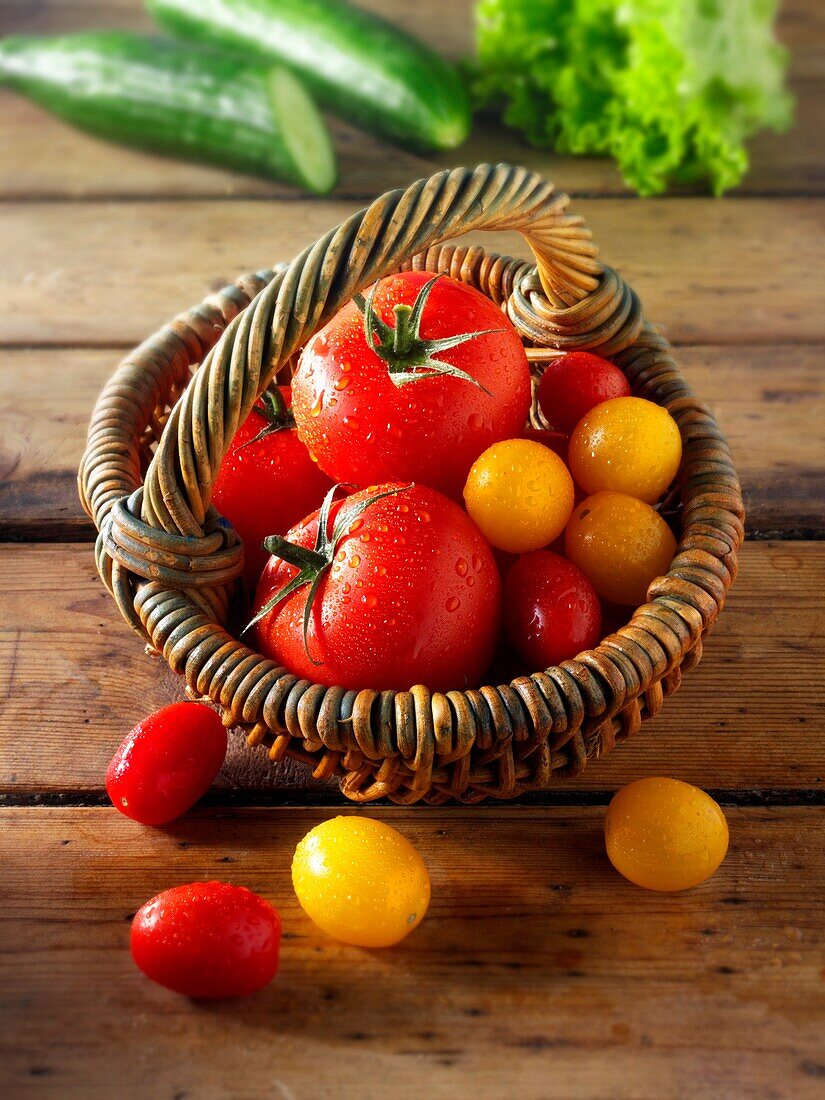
(168,98)
(355,64)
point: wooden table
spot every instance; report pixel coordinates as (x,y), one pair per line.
(539,973)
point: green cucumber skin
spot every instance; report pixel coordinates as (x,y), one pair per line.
(155,95)
(355,64)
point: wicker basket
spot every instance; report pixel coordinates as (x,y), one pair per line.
(163,424)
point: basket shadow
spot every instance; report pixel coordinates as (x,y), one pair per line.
(491,939)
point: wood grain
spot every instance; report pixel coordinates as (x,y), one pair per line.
(709,272)
(538,971)
(74,679)
(768,399)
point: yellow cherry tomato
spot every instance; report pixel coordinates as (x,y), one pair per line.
(664,834)
(360,881)
(520,495)
(627,445)
(620,544)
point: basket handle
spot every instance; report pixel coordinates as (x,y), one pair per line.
(304,295)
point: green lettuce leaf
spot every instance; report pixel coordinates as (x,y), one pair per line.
(671,89)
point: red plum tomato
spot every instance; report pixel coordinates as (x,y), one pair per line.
(166,763)
(207,940)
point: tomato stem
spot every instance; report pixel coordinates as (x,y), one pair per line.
(313,565)
(272,407)
(409,357)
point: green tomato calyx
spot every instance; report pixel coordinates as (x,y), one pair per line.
(409,357)
(272,407)
(314,564)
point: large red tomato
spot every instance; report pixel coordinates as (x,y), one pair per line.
(267,480)
(394,586)
(411,384)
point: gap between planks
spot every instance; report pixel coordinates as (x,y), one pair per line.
(226,798)
(749,275)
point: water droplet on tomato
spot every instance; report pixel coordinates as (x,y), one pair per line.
(403,507)
(453,603)
(354,561)
(341,555)
(318,406)
(342,383)
(346,587)
(351,423)
(470,582)
(365,537)
(371,600)
(475,421)
(346,366)
(478,564)
(424,516)
(356,525)
(461,567)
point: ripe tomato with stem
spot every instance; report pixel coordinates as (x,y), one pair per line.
(267,480)
(391,587)
(411,383)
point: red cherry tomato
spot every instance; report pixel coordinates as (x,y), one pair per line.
(573,384)
(371,417)
(267,481)
(552,611)
(557,442)
(207,939)
(409,593)
(166,763)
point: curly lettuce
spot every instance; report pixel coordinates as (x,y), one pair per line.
(671,89)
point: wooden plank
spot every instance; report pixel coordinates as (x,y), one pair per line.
(566,974)
(733,273)
(775,428)
(41,157)
(801,27)
(74,679)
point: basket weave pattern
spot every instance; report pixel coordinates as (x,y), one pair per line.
(165,420)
